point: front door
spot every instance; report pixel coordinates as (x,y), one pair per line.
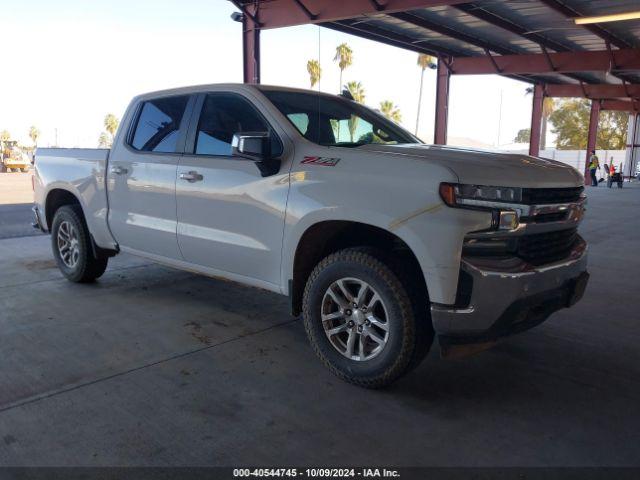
(141,178)
(230,218)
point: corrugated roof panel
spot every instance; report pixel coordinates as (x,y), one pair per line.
(628,30)
(538,18)
(474,27)
(419,35)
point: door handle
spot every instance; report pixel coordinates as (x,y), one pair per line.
(191,176)
(118,170)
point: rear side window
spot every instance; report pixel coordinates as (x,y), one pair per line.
(223,116)
(158,124)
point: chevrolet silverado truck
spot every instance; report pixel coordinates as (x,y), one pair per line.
(381,242)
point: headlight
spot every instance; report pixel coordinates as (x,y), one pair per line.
(497,200)
(455,194)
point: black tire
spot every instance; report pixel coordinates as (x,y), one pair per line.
(88,267)
(410,333)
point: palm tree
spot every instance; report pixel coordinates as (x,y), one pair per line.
(34,134)
(313,67)
(357,92)
(111,124)
(548,107)
(424,61)
(104,141)
(344,57)
(391,111)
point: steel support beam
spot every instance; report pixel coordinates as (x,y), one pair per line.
(442,103)
(594,91)
(250,49)
(536,120)
(620,106)
(591,137)
(585,61)
(287,13)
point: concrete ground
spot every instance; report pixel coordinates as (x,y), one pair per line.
(152,366)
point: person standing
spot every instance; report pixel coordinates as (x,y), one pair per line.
(594,164)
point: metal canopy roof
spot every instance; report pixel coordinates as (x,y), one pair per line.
(531,40)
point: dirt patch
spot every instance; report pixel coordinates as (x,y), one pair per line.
(40,265)
(197,333)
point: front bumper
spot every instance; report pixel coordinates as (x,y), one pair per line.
(510,296)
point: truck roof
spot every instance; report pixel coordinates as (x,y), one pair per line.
(221,86)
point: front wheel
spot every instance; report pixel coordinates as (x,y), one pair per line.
(72,247)
(360,320)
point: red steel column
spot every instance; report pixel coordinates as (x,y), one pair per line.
(442,104)
(250,51)
(536,120)
(592,137)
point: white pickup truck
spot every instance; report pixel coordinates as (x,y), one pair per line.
(380,241)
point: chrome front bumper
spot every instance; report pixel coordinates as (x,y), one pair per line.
(509,296)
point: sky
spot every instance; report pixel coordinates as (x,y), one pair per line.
(67,63)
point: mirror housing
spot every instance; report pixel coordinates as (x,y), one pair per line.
(255,146)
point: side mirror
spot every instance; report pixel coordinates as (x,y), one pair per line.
(251,145)
(255,146)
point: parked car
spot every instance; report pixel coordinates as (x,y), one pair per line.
(381,242)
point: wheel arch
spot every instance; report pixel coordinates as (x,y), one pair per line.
(56,198)
(60,197)
(328,236)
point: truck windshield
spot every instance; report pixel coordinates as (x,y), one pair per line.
(335,121)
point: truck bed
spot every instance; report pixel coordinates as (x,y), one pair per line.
(81,170)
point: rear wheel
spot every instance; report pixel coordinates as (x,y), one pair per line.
(72,247)
(360,320)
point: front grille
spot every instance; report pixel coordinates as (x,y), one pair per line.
(542,248)
(541,196)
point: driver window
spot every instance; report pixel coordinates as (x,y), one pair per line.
(223,116)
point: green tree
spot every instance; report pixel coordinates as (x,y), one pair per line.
(111,123)
(357,92)
(523,136)
(34,134)
(313,67)
(390,111)
(570,123)
(424,61)
(344,57)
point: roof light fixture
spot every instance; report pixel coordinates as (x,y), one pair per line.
(616,17)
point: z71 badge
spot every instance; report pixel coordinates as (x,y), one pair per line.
(324,161)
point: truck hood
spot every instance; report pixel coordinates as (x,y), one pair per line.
(489,168)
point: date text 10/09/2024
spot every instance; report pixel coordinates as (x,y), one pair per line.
(316,472)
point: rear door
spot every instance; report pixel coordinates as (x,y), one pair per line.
(230,218)
(141,177)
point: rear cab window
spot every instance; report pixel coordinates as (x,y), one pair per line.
(158,124)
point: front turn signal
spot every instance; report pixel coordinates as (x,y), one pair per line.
(448,194)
